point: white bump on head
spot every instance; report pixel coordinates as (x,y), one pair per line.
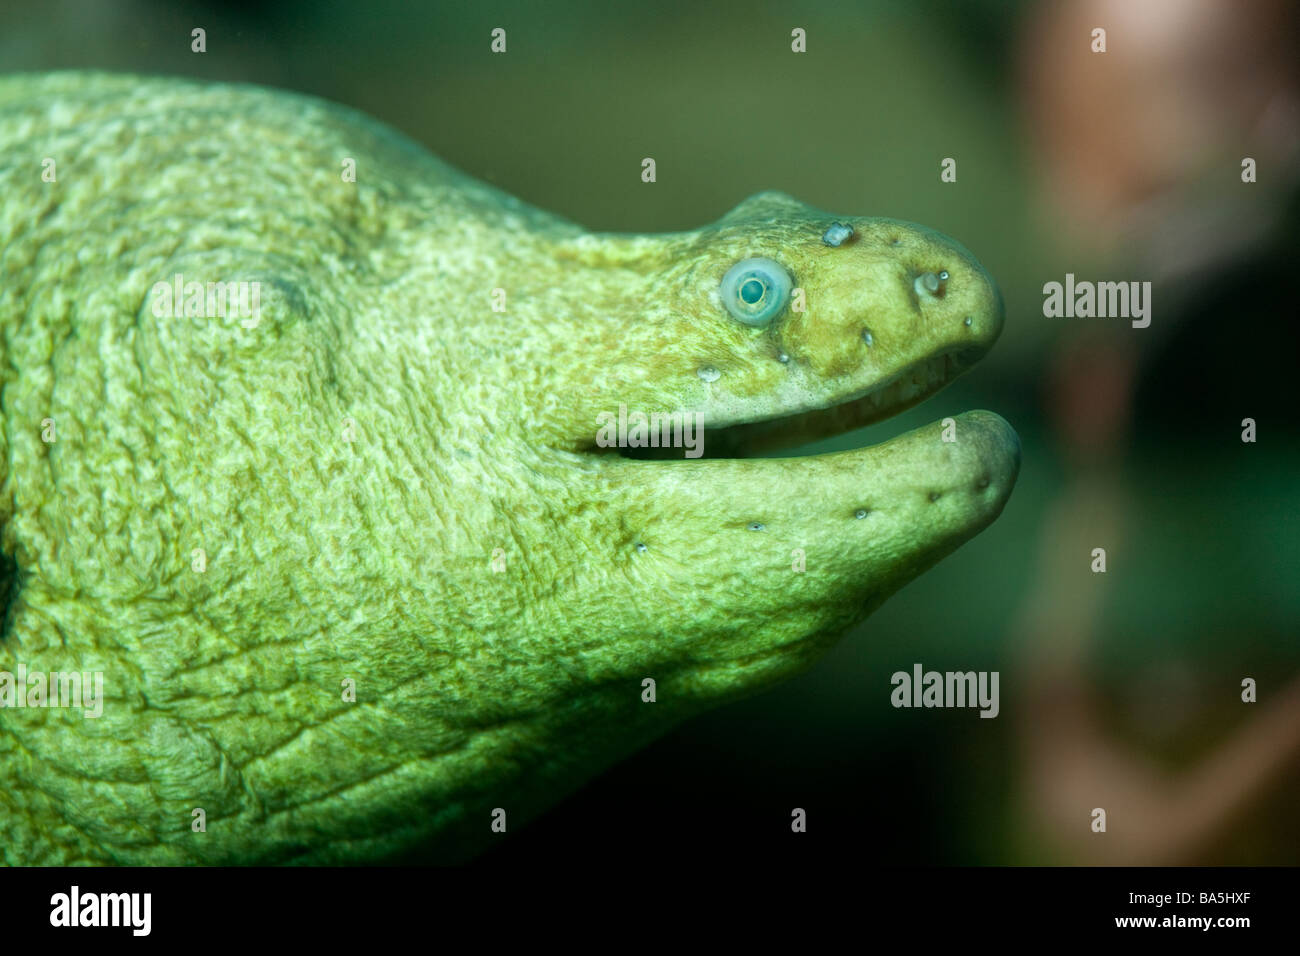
(927,283)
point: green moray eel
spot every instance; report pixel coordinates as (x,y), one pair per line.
(358,573)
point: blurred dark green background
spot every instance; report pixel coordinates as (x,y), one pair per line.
(1118,690)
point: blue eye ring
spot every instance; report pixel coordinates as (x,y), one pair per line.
(755,291)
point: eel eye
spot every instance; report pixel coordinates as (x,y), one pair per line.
(756,290)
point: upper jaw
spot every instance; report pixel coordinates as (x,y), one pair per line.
(871,342)
(867,357)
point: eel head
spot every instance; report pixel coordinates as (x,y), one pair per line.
(776,325)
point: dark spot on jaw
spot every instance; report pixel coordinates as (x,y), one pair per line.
(757,526)
(935,496)
(982,483)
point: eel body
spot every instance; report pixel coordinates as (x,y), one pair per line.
(360,572)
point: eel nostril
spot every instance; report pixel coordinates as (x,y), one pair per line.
(926,282)
(931,284)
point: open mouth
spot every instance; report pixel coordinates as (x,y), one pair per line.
(884,399)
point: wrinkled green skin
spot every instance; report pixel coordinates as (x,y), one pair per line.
(370,560)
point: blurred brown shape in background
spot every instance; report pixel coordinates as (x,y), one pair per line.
(1143,143)
(1146,140)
